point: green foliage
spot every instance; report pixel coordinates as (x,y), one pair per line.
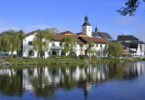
(41,41)
(4,42)
(130,7)
(90,50)
(11,85)
(83,56)
(115,49)
(68,43)
(11,41)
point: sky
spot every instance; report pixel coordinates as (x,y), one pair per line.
(68,15)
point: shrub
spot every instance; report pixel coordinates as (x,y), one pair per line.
(93,57)
(83,56)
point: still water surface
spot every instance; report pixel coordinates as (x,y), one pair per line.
(120,81)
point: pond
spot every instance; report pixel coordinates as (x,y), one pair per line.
(114,81)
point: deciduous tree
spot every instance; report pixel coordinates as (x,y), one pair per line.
(68,44)
(130,7)
(115,49)
(41,41)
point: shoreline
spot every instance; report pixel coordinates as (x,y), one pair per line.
(67,61)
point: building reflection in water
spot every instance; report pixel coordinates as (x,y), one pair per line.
(44,81)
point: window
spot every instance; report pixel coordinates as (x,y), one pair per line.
(84,29)
(89,29)
(30,43)
(101,45)
(53,43)
(31,53)
(96,45)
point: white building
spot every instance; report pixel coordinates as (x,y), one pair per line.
(132,46)
(55,49)
(83,40)
(141,49)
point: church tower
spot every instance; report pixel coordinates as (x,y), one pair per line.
(96,29)
(86,27)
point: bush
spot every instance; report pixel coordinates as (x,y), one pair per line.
(72,56)
(93,57)
(52,56)
(83,56)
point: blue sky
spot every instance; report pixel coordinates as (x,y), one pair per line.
(66,15)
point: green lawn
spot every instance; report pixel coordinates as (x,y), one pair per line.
(39,61)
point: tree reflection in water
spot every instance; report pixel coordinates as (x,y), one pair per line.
(43,82)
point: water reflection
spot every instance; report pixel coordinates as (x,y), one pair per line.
(43,82)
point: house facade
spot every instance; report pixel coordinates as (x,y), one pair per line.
(82,42)
(132,46)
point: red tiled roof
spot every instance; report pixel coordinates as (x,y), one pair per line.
(80,37)
(58,37)
(94,39)
(67,33)
(79,41)
(81,34)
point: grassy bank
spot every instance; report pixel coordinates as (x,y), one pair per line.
(52,61)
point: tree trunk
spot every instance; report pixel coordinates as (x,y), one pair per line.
(41,54)
(11,54)
(44,55)
(38,55)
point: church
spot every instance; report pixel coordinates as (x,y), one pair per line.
(87,29)
(83,38)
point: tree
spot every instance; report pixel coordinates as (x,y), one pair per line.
(4,42)
(11,41)
(41,41)
(20,35)
(15,41)
(130,7)
(90,50)
(68,43)
(115,49)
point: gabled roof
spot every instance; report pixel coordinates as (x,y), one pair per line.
(127,37)
(66,33)
(93,39)
(30,33)
(81,38)
(102,35)
(96,34)
(105,35)
(81,34)
(60,36)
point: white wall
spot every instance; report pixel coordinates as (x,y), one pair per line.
(87,30)
(141,50)
(56,44)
